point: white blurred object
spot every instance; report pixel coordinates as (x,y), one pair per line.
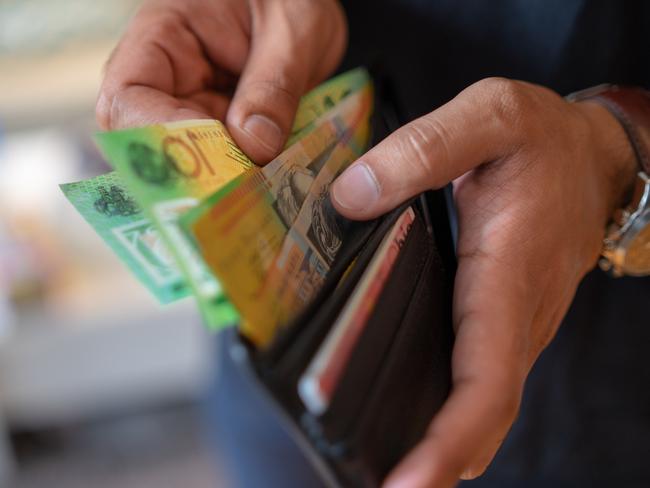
(32,164)
(33,236)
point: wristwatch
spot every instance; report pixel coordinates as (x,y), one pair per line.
(626,248)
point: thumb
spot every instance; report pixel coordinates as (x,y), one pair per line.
(427,153)
(285,59)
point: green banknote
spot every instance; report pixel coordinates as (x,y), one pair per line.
(168,169)
(323,98)
(159,159)
(107,206)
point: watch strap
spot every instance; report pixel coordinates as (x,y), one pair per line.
(631,106)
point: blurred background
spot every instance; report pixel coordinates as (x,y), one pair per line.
(99,385)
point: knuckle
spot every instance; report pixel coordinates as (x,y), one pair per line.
(276,90)
(302,16)
(166,25)
(418,141)
(312,11)
(316,26)
(415,142)
(510,102)
(509,94)
(307,37)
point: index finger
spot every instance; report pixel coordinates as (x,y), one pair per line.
(158,72)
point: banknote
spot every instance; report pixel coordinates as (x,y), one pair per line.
(248,212)
(318,383)
(105,203)
(304,259)
(241,229)
(142,249)
(169,168)
(323,98)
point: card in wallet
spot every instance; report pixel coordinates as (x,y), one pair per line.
(360,373)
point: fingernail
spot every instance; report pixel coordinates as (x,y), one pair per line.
(264,131)
(469,474)
(356,188)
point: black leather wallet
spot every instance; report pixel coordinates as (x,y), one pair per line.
(399,372)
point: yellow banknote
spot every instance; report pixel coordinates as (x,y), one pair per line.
(241,229)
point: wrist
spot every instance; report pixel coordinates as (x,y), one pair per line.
(613,156)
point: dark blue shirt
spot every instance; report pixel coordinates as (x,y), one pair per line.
(585,417)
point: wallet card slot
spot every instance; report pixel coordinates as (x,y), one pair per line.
(414,382)
(295,345)
(411,379)
(365,363)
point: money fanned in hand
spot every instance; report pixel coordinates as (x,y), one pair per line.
(136,240)
(169,169)
(256,234)
(136,209)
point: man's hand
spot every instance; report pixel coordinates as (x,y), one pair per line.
(243,62)
(536,179)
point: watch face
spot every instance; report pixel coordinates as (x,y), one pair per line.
(637,255)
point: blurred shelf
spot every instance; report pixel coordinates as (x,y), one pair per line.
(55,88)
(56,373)
(52,54)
